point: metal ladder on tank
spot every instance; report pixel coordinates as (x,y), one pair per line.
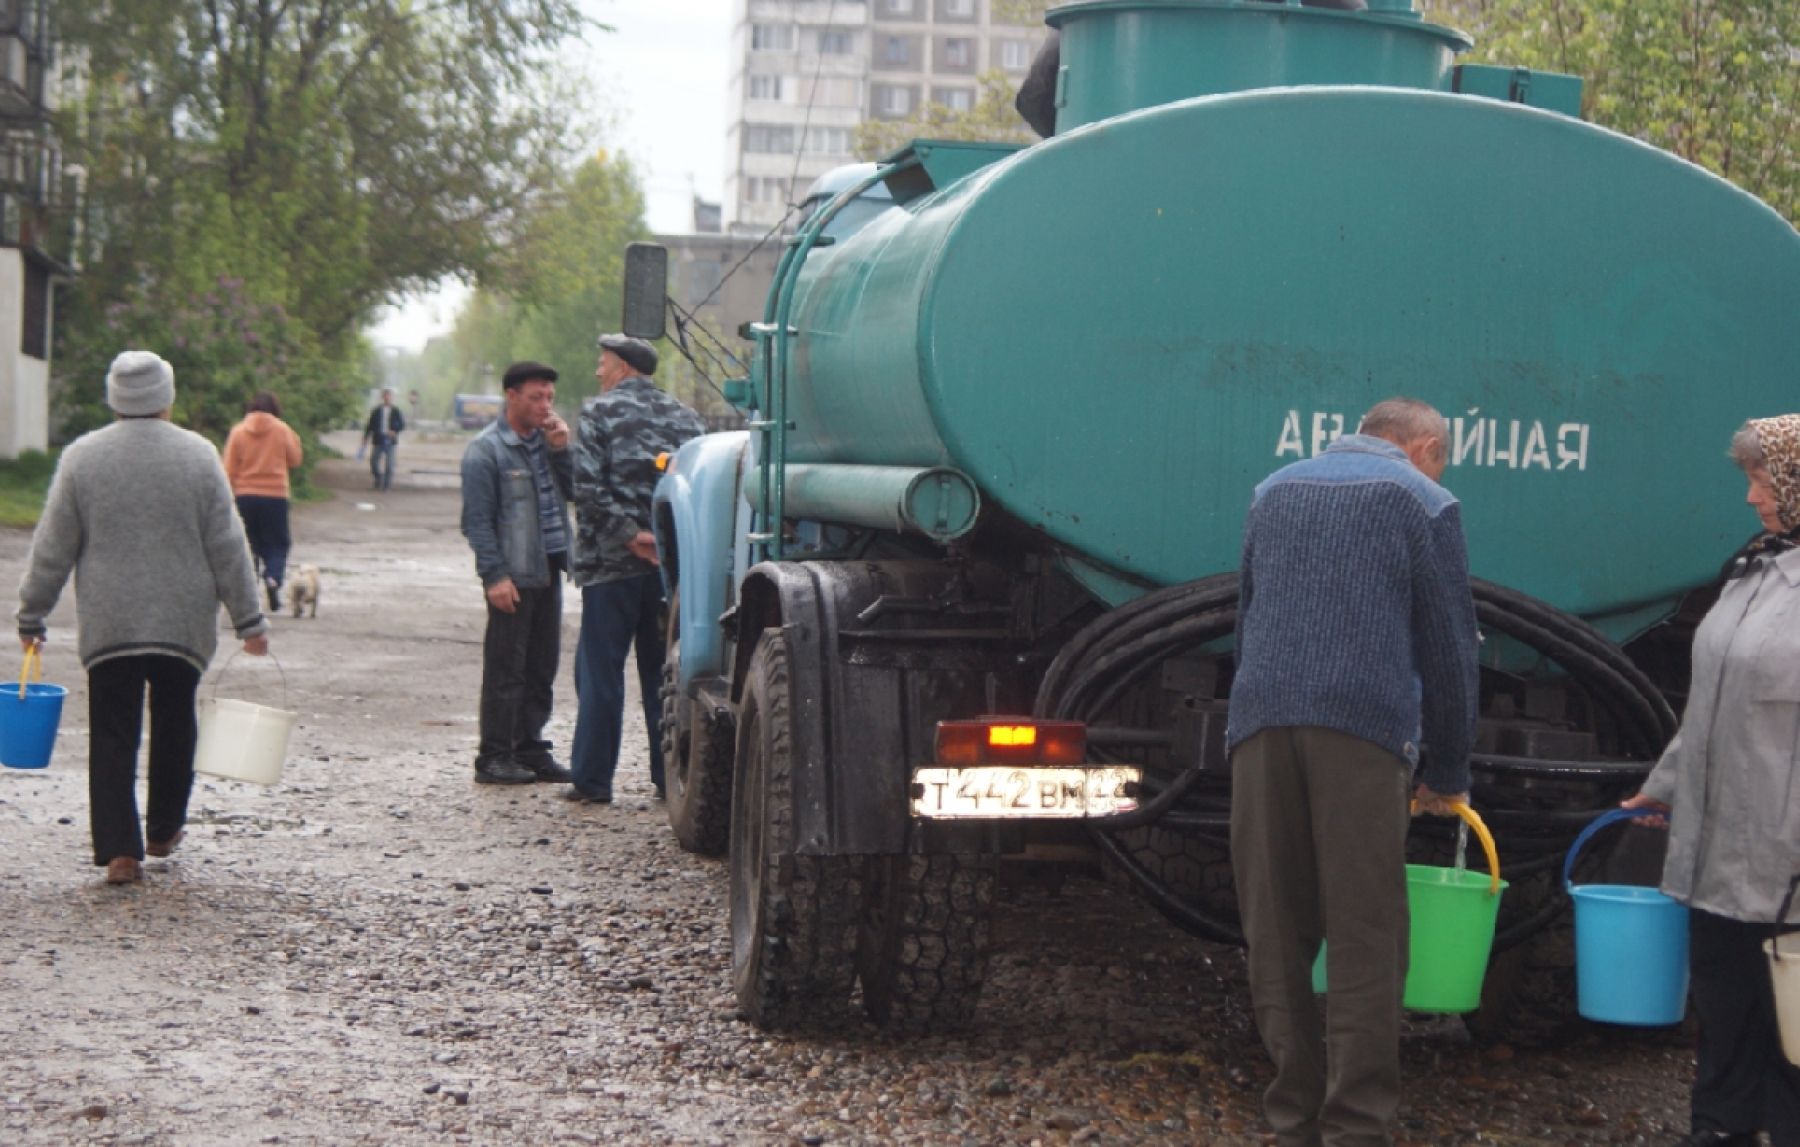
(773,337)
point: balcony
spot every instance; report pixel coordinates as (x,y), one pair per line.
(24,59)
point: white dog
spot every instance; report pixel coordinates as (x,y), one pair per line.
(304,590)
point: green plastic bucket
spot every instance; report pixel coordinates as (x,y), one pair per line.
(1453,913)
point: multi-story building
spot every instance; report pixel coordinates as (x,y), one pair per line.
(35,241)
(808,72)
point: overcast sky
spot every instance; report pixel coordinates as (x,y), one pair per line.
(660,79)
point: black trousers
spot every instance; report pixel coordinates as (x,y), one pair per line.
(266,525)
(115,721)
(1742,1081)
(518,672)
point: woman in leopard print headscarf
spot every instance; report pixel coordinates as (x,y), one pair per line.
(1728,787)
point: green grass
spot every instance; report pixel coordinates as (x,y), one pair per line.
(23,483)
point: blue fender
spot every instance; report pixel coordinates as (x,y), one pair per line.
(694,515)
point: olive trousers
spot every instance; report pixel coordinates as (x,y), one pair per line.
(1318,850)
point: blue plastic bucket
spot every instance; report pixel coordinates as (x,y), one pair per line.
(1631,945)
(28,724)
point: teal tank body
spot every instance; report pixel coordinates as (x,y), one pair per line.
(1117,333)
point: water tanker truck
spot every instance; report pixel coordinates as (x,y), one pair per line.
(965,589)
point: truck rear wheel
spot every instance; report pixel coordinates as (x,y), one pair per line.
(922,951)
(793,918)
(697,753)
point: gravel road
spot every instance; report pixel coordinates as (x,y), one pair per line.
(378,951)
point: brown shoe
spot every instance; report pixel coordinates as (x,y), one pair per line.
(124,870)
(165,847)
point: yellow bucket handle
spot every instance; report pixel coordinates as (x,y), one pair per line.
(1482,834)
(33,667)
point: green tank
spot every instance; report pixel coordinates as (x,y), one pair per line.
(1256,221)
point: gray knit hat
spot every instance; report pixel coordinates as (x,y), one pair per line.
(140,383)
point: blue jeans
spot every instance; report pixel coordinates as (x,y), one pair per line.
(381,464)
(266,528)
(614,614)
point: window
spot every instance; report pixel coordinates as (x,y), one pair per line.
(955,99)
(765,189)
(964,9)
(765,87)
(771,37)
(35,336)
(1015,55)
(768,139)
(897,7)
(894,50)
(893,100)
(834,92)
(836,43)
(959,52)
(828,140)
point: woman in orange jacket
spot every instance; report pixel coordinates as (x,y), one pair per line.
(258,455)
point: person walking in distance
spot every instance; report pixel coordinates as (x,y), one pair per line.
(1356,692)
(516,479)
(258,455)
(141,514)
(381,435)
(622,432)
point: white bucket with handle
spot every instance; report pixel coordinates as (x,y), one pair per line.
(242,741)
(1784,967)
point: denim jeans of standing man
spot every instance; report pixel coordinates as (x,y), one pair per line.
(381,464)
(615,615)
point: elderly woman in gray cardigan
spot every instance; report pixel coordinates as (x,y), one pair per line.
(140,512)
(1729,789)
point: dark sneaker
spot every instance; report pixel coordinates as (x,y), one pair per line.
(574,794)
(661,793)
(501,771)
(274,596)
(546,770)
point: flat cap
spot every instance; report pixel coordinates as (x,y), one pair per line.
(520,373)
(638,354)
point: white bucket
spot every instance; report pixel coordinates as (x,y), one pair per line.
(241,741)
(1784,967)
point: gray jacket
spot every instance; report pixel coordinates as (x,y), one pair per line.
(500,508)
(140,512)
(1729,776)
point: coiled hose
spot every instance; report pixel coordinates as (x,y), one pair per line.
(1121,647)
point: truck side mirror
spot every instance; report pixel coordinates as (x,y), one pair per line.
(646,289)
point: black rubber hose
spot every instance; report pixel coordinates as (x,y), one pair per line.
(1109,625)
(1178,911)
(1119,648)
(1576,631)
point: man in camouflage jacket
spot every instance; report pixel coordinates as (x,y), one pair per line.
(621,433)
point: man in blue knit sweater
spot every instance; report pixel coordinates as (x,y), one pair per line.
(1356,648)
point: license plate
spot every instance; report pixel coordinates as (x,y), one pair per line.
(1006,791)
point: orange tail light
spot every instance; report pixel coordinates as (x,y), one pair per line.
(1011,741)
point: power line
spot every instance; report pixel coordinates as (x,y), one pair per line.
(806,121)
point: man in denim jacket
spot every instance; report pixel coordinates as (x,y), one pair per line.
(516,480)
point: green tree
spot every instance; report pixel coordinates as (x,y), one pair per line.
(558,288)
(324,155)
(224,347)
(1716,82)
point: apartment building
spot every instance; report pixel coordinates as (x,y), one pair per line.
(807,72)
(35,238)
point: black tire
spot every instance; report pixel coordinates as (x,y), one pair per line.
(697,757)
(923,945)
(1195,867)
(793,918)
(1528,997)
